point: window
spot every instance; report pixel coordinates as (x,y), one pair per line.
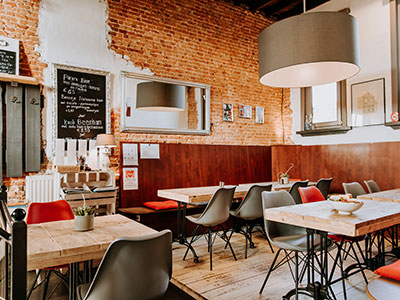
(324,109)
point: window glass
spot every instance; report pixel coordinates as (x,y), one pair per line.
(324,103)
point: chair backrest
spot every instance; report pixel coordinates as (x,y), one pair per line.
(353,188)
(217,210)
(310,194)
(372,186)
(251,206)
(134,268)
(42,212)
(294,190)
(323,185)
(277,229)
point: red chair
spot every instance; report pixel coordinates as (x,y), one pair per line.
(312,194)
(43,213)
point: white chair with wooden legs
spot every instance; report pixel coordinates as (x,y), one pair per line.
(215,214)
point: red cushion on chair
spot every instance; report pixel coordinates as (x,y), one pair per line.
(160,205)
(390,271)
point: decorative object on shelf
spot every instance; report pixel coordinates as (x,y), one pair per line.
(368,102)
(84,218)
(227,112)
(283,178)
(259,115)
(245,111)
(9,55)
(308,124)
(309,49)
(81,162)
(104,143)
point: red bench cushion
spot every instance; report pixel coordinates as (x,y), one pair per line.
(160,205)
(390,271)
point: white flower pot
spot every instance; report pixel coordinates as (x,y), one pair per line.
(284,180)
(84,223)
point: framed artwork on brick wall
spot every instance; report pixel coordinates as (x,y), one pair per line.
(227,112)
(368,103)
(245,111)
(259,115)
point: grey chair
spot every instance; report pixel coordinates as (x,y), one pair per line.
(294,190)
(215,214)
(132,268)
(353,188)
(288,238)
(372,186)
(249,213)
(323,185)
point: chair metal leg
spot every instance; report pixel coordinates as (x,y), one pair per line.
(246,238)
(191,240)
(46,284)
(270,270)
(229,243)
(33,284)
(296,257)
(210,246)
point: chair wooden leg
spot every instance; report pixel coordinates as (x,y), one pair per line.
(270,270)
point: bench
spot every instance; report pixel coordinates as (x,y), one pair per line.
(383,288)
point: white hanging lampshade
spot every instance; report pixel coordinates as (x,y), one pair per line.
(160,96)
(309,49)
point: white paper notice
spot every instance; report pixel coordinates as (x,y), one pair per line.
(82,147)
(71,152)
(130,154)
(130,179)
(60,152)
(149,151)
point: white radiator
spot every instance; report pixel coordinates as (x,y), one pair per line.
(42,188)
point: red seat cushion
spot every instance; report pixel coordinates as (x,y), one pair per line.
(390,271)
(160,205)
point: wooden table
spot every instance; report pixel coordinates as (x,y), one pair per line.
(56,243)
(373,216)
(389,195)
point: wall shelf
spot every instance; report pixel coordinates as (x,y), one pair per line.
(17,78)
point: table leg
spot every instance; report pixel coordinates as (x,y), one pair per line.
(179,223)
(73,280)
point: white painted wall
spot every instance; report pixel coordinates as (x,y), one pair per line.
(374,30)
(75,33)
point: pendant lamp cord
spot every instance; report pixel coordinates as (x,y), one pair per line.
(304,6)
(282,119)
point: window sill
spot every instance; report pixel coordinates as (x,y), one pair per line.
(324,131)
(394,125)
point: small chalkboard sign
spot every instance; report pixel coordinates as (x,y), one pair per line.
(9,55)
(82,102)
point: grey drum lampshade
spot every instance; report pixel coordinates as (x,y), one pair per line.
(160,96)
(309,49)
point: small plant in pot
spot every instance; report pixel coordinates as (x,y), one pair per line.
(284,177)
(84,218)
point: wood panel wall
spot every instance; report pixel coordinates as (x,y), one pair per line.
(190,165)
(345,163)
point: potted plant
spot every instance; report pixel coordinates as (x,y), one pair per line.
(284,177)
(84,218)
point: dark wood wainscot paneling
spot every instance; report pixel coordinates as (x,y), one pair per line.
(184,165)
(345,163)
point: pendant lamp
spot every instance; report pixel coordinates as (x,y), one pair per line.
(160,96)
(309,49)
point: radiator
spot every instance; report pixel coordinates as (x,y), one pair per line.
(42,188)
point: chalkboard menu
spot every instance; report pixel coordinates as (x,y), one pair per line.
(8,61)
(81,104)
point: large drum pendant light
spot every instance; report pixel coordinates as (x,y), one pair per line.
(309,49)
(160,96)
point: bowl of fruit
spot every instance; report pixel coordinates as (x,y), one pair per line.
(344,203)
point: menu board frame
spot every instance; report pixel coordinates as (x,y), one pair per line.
(107,76)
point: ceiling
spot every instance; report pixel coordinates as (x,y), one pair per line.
(278,9)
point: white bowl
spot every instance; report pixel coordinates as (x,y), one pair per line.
(345,207)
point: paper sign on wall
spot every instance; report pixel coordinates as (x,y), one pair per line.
(130,179)
(149,151)
(130,155)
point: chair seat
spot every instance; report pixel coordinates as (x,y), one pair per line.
(56,267)
(339,238)
(296,242)
(81,291)
(197,220)
(236,213)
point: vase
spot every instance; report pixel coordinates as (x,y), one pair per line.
(284,180)
(84,223)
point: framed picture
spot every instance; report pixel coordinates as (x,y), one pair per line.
(368,103)
(227,113)
(245,111)
(259,115)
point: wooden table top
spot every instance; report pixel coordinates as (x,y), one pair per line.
(372,216)
(204,194)
(57,243)
(389,195)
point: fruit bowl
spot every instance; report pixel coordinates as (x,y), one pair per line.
(345,205)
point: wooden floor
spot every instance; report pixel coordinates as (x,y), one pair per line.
(243,278)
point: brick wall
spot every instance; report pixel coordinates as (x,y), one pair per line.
(206,41)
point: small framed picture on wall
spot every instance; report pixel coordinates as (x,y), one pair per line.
(245,111)
(227,112)
(259,115)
